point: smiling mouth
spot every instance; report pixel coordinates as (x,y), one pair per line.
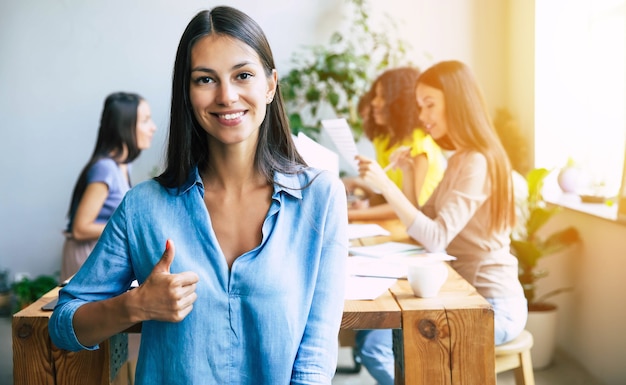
(233,116)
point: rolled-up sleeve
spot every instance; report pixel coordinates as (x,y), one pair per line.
(61,329)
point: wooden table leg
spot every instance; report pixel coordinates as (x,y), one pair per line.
(37,361)
(445,347)
(32,363)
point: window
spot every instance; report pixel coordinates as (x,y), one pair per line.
(579,89)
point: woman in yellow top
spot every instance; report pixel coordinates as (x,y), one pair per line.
(391,120)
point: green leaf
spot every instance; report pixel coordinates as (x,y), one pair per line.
(539,216)
(295,121)
(312,95)
(535,179)
(527,253)
(333,99)
(560,240)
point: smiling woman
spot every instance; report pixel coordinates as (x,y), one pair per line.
(237,246)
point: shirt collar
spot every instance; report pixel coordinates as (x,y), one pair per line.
(289,183)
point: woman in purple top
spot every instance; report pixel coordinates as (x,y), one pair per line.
(126,128)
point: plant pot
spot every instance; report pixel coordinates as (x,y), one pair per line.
(572,179)
(542,324)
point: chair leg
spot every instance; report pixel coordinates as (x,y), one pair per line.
(524,373)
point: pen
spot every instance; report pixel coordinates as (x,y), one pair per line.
(389,166)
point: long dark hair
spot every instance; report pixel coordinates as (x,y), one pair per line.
(188,142)
(470,127)
(117,134)
(401,108)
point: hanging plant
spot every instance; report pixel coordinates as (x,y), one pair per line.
(336,74)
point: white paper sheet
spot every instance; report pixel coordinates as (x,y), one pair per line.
(362,230)
(376,267)
(316,155)
(366,288)
(341,135)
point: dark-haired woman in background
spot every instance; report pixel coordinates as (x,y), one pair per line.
(126,128)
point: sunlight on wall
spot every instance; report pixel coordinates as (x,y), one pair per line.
(579,112)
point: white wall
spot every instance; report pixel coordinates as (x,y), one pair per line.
(470,31)
(591,318)
(60,58)
(520,63)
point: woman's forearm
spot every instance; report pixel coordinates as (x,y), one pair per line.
(377,212)
(402,206)
(94,322)
(87,231)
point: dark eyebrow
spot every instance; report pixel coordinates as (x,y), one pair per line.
(209,70)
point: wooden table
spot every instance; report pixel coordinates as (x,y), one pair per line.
(444,340)
(437,341)
(36,361)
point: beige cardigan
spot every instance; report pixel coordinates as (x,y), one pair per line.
(456,219)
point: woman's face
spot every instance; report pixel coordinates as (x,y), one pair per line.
(229,90)
(379,112)
(433,110)
(145,125)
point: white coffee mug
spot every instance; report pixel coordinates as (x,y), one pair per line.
(426,279)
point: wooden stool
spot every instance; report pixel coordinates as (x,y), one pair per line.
(516,355)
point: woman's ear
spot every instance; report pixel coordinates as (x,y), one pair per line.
(272,82)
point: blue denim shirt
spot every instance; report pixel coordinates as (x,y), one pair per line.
(273,318)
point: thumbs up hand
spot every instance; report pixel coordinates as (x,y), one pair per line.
(165,296)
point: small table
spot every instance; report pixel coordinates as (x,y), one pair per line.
(444,340)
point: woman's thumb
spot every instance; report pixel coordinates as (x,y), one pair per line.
(165,263)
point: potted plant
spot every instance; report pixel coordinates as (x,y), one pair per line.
(529,247)
(335,75)
(27,291)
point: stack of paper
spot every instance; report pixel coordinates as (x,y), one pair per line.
(392,266)
(368,278)
(387,249)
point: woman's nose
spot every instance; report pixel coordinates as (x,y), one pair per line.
(227,94)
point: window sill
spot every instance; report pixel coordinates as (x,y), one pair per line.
(574,202)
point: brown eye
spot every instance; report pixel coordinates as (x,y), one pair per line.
(203,80)
(245,76)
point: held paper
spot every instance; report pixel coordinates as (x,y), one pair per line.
(341,135)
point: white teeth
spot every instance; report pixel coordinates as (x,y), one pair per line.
(231,116)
